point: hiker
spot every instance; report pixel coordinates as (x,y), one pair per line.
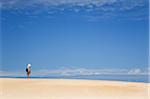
(28,70)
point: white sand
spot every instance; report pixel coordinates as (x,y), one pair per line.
(71,89)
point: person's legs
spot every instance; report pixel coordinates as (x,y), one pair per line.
(28,74)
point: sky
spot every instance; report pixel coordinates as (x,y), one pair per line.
(78,34)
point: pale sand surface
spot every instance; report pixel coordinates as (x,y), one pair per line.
(71,89)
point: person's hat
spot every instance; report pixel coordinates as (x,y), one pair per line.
(28,65)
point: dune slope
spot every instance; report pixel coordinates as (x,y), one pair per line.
(70,89)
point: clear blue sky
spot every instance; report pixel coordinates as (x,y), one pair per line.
(75,33)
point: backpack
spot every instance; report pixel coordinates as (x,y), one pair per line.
(26,69)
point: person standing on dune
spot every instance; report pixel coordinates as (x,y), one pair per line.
(28,70)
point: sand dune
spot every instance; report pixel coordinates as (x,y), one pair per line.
(71,89)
